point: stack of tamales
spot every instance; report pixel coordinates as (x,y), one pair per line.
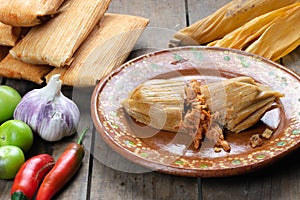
(265,27)
(74,38)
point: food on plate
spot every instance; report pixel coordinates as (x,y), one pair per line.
(27,12)
(226,19)
(55,42)
(201,110)
(17,133)
(256,141)
(9,99)
(9,35)
(48,112)
(30,175)
(13,68)
(107,47)
(11,159)
(66,166)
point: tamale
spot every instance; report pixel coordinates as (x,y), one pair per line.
(201,110)
(250,31)
(16,69)
(106,47)
(54,42)
(27,13)
(9,35)
(226,19)
(281,37)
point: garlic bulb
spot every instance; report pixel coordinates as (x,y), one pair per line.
(48,112)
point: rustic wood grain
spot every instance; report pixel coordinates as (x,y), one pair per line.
(277,181)
(113,176)
(198,9)
(105,174)
(292,60)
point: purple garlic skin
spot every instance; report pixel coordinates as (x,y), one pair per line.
(51,117)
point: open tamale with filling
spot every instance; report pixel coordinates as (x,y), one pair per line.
(226,19)
(16,69)
(9,35)
(54,42)
(27,13)
(201,110)
(107,47)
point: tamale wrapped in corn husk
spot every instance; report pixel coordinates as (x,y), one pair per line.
(27,13)
(55,42)
(106,47)
(226,19)
(16,69)
(280,38)
(9,35)
(201,110)
(241,37)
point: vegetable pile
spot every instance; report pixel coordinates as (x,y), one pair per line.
(50,115)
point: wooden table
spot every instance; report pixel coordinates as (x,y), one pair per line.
(106,175)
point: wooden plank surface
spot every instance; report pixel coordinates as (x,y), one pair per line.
(113,176)
(105,174)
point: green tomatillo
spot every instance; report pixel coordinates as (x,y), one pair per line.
(9,99)
(11,159)
(17,133)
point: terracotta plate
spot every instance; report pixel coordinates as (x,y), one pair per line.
(163,151)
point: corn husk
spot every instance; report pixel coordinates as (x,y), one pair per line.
(245,101)
(201,110)
(241,37)
(16,69)
(55,42)
(27,13)
(229,17)
(9,35)
(106,47)
(158,103)
(281,37)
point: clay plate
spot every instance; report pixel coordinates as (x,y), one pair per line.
(164,151)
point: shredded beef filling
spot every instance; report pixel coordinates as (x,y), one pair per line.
(198,121)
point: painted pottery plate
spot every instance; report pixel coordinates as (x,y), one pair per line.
(163,151)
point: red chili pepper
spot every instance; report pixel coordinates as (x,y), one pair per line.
(65,167)
(30,175)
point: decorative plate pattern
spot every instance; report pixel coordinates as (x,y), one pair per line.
(160,151)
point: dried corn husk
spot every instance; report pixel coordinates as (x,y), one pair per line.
(55,42)
(9,35)
(281,37)
(226,19)
(250,31)
(246,101)
(158,103)
(106,47)
(16,69)
(27,12)
(168,104)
